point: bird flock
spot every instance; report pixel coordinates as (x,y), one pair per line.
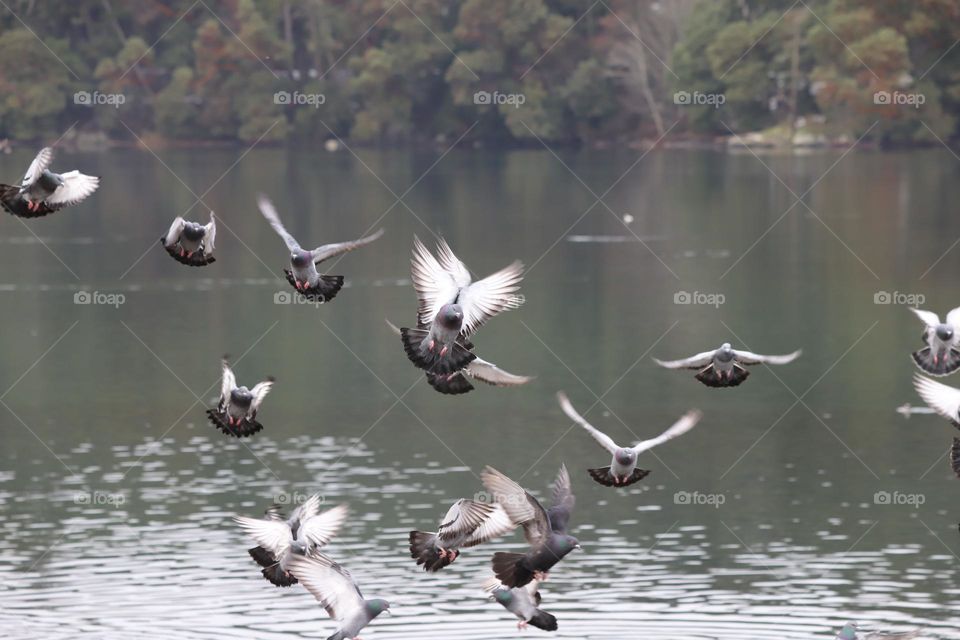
(451,307)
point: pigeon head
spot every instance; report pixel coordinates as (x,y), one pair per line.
(376,607)
(849,632)
(945,332)
(241,396)
(301,259)
(725,352)
(193,231)
(626,456)
(566,544)
(450,317)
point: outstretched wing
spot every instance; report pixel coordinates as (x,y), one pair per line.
(40,164)
(686,422)
(939,397)
(563,501)
(929,318)
(434,285)
(210,236)
(522,508)
(76,187)
(259,392)
(486,298)
(328,582)
(174,233)
(272,535)
(745,357)
(496,524)
(492,374)
(229,382)
(328,251)
(464,517)
(270,213)
(605,441)
(322,528)
(693,362)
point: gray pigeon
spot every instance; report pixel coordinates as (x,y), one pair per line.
(236,412)
(941,356)
(468,523)
(302,273)
(279,538)
(849,632)
(42,191)
(725,367)
(451,307)
(623,470)
(946,402)
(191,243)
(545,531)
(336,591)
(478,369)
(523,602)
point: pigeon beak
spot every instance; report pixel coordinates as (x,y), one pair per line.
(578,547)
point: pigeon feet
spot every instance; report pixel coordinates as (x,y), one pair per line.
(443,351)
(540,576)
(522,625)
(431,345)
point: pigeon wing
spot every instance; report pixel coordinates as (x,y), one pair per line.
(929,318)
(941,398)
(492,374)
(496,524)
(563,501)
(605,441)
(693,362)
(76,188)
(486,298)
(522,508)
(270,213)
(434,285)
(210,236)
(745,357)
(321,529)
(259,392)
(229,382)
(328,582)
(40,164)
(686,422)
(174,233)
(328,251)
(272,535)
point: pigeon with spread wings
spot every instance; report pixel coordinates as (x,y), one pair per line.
(941,356)
(279,539)
(946,402)
(468,523)
(623,470)
(523,602)
(338,593)
(725,367)
(191,243)
(303,274)
(42,191)
(451,307)
(545,530)
(236,412)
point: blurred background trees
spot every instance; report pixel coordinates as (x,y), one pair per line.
(393,71)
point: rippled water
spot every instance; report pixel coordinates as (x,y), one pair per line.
(116,496)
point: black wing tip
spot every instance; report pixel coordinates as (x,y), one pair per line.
(509,569)
(711,378)
(450,384)
(262,557)
(244,429)
(278,577)
(543,620)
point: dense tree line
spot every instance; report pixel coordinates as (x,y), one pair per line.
(566,71)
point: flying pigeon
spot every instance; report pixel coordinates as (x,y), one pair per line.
(523,602)
(451,307)
(236,412)
(479,369)
(946,402)
(302,273)
(941,356)
(849,632)
(467,524)
(623,470)
(336,591)
(279,538)
(191,243)
(544,530)
(42,191)
(725,367)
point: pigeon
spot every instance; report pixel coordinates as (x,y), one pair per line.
(941,356)
(544,530)
(849,632)
(191,243)
(725,367)
(467,524)
(946,402)
(523,602)
(336,591)
(236,412)
(279,538)
(42,191)
(623,470)
(302,273)
(479,369)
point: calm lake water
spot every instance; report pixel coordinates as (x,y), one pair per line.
(116,495)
